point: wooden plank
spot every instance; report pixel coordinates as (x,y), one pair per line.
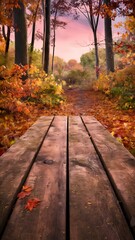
(48,181)
(119,163)
(94,211)
(16,163)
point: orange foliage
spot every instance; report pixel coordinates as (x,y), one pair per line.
(22,102)
(119,122)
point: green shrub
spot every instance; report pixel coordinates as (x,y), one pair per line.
(77,77)
(120,84)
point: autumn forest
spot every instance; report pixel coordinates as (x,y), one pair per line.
(36,82)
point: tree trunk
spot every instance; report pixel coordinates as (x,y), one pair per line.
(46,49)
(44,30)
(3,32)
(96,53)
(6,38)
(7,41)
(20,35)
(109,42)
(32,42)
(53,54)
(54,39)
(33,33)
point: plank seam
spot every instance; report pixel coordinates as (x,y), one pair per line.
(67,187)
(112,183)
(22,182)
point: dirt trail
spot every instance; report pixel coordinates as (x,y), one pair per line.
(84,102)
(120,123)
(80,102)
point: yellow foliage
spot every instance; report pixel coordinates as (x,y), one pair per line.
(120,84)
(2,46)
(104,82)
(130,24)
(39,88)
(125,73)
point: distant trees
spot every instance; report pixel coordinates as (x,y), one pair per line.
(88,59)
(59,66)
(72,64)
(17,16)
(109,9)
(32,17)
(59,8)
(90,10)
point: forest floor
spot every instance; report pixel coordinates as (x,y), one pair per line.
(121,123)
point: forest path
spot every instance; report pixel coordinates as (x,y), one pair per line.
(83,102)
(121,123)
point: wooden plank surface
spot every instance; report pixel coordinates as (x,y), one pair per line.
(48,180)
(15,165)
(94,211)
(119,163)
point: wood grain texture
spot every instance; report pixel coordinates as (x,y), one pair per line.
(15,165)
(48,180)
(94,211)
(119,163)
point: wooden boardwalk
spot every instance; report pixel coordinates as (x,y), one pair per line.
(83,177)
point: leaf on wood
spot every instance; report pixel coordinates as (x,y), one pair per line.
(23,194)
(27,188)
(32,203)
(26,191)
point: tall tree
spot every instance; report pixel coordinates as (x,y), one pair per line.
(59,8)
(7,38)
(34,13)
(46,36)
(108,40)
(20,34)
(44,29)
(90,9)
(7,41)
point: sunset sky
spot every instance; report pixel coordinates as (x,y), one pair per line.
(75,39)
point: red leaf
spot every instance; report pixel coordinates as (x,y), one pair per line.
(23,194)
(26,191)
(32,203)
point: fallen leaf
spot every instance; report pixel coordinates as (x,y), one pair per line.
(32,203)
(26,191)
(23,194)
(27,188)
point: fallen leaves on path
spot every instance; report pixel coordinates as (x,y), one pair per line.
(121,123)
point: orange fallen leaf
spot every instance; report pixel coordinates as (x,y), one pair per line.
(26,191)
(32,203)
(23,194)
(27,188)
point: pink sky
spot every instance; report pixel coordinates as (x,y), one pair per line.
(75,40)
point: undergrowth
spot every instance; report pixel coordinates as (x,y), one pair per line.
(120,84)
